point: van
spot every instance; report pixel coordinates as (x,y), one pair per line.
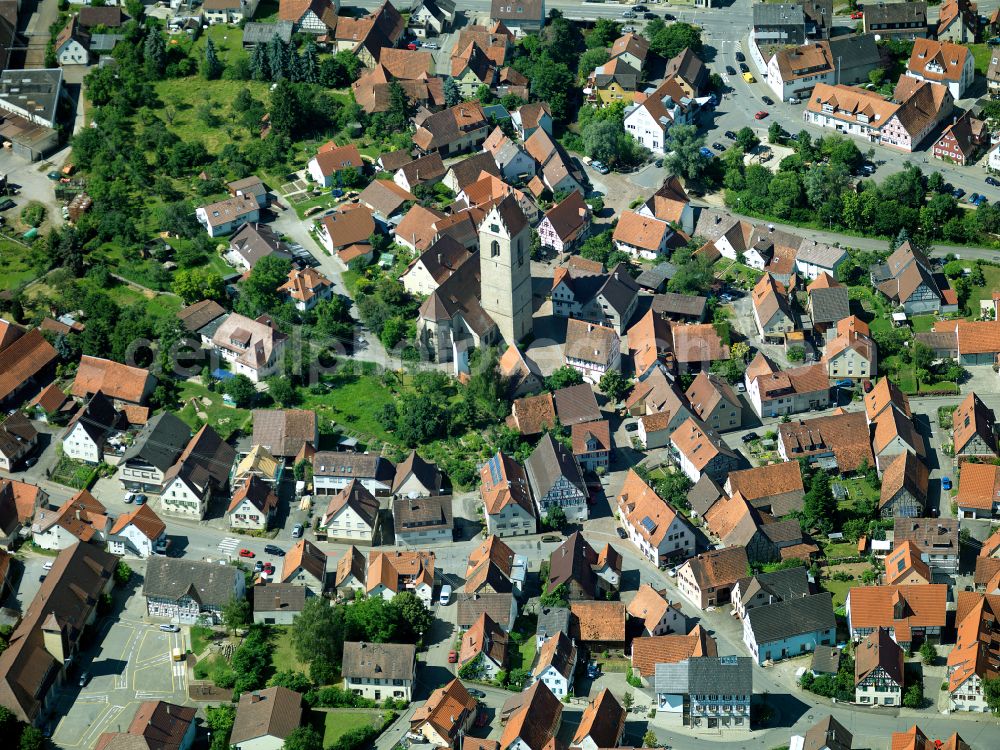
(445,598)
(748,77)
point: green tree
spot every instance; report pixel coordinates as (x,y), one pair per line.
(603,34)
(628,700)
(914,696)
(259,292)
(590,60)
(452,95)
(240,389)
(775,133)
(991,692)
(555,519)
(123,573)
(928,653)
(747,140)
(614,385)
(317,633)
(303,738)
(292,680)
(606,141)
(421,421)
(155,53)
(649,739)
(220,720)
(819,506)
(196,284)
(286,109)
(557,597)
(694,273)
(236,613)
(282,391)
(211,66)
(669,41)
(684,157)
(31,739)
(563,377)
(412,612)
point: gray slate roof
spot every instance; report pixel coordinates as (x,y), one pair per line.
(383,661)
(552,620)
(550,461)
(718,675)
(830,305)
(210,584)
(653,278)
(826,660)
(160,441)
(785,619)
(784,14)
(262,33)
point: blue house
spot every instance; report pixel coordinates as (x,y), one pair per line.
(790,627)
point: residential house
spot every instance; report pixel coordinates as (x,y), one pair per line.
(431,18)
(380,670)
(266,718)
(598,625)
(705,692)
(305,564)
(839,441)
(688,71)
(506,495)
(901,122)
(828,303)
(592,445)
(421,520)
(509,161)
(453,130)
(783,23)
(18,437)
(631,48)
(186,591)
(71,44)
(974,428)
(154,450)
(894,433)
(707,580)
(463,173)
(333,471)
(434,265)
(286,434)
(962,141)
(715,403)
(905,566)
(942,62)
(86,435)
(771,309)
(790,627)
(352,573)
(127,387)
(670,203)
(556,169)
(254,241)
(484,646)
(703,495)
(906,20)
(774,392)
(653,614)
(47,639)
(140,534)
(556,481)
(202,319)
(522,375)
(650,343)
(389,573)
(353,513)
(411,70)
(529,118)
(346,232)
(650,120)
(226,216)
(52,405)
(416,477)
(774,488)
(602,723)
(851,352)
(555,664)
(652,525)
(566,224)
(591,349)
(696,346)
(19,504)
(903,493)
(82,518)
(450,710)
(306,288)
(585,573)
(608,300)
(642,236)
(201,471)
(978,342)
(523,17)
(368,36)
(385,199)
(825,734)
(648,651)
(494,569)
(971,661)
(993,79)
(156,723)
(700,450)
(762,589)
(531,719)
(978,491)
(911,614)
(614,81)
(254,348)
(253,505)
(937,539)
(531,415)
(737,523)
(278,603)
(426,170)
(878,670)
(907,279)
(501,607)
(958,21)
(795,71)
(229,11)
(814,259)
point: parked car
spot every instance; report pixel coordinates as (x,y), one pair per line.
(706,152)
(750,437)
(973,198)
(628,14)
(844,383)
(431,45)
(129,497)
(269,568)
(170,628)
(957,193)
(599,167)
(639,8)
(669,17)
(945,483)
(658,163)
(989,181)
(718,146)
(593,671)
(445,597)
(551,538)
(476,693)
(84,679)
(648,16)
(53,176)
(730,70)
(47,566)
(258,567)
(868,169)
(140,499)
(412,46)
(270,549)
(731,135)
(621,533)
(246,553)
(7,204)
(297,531)
(767,100)
(748,77)
(740,57)
(981,200)
(857,14)
(794,100)
(744,68)
(628,29)
(760,115)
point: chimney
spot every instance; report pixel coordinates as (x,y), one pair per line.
(255,698)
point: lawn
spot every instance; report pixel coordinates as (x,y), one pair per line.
(981,55)
(341,721)
(17,264)
(857,489)
(75,474)
(200,637)
(352,403)
(283,656)
(224,419)
(838,549)
(985,291)
(923,323)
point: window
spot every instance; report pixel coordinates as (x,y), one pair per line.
(494,249)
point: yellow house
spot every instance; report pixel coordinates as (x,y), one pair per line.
(615,81)
(472,68)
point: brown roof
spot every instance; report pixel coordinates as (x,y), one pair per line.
(649,651)
(978,336)
(531,414)
(648,338)
(649,606)
(978,486)
(638,503)
(890,425)
(904,471)
(883,395)
(352,563)
(599,622)
(668,203)
(410,514)
(445,710)
(425,471)
(157,725)
(303,285)
(200,314)
(698,443)
(534,720)
(903,562)
(940,61)
(22,360)
(306,556)
(575,404)
(486,638)
(428,168)
(632,43)
(349,225)
(447,126)
(698,342)
(283,431)
(584,432)
(503,482)
(766,481)
(844,435)
(143,518)
(707,391)
(718,568)
(113,379)
(384,661)
(640,231)
(603,721)
(569,217)
(878,650)
(258,492)
(272,712)
(385,197)
(899,607)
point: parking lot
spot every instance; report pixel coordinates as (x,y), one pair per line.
(130,663)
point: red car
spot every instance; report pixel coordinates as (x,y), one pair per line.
(246,553)
(760,115)
(857,14)
(452,657)
(411,46)
(269,568)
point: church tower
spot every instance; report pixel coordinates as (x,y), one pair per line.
(505,269)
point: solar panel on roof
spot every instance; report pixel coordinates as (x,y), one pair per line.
(494,464)
(647,523)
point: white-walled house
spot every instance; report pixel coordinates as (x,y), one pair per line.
(353,513)
(664,107)
(253,505)
(140,533)
(380,670)
(660,533)
(88,431)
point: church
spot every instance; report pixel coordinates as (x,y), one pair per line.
(487,300)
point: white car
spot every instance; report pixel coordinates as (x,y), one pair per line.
(431,45)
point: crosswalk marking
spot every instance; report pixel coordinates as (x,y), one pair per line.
(227,545)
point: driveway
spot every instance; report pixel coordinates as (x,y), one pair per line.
(30,178)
